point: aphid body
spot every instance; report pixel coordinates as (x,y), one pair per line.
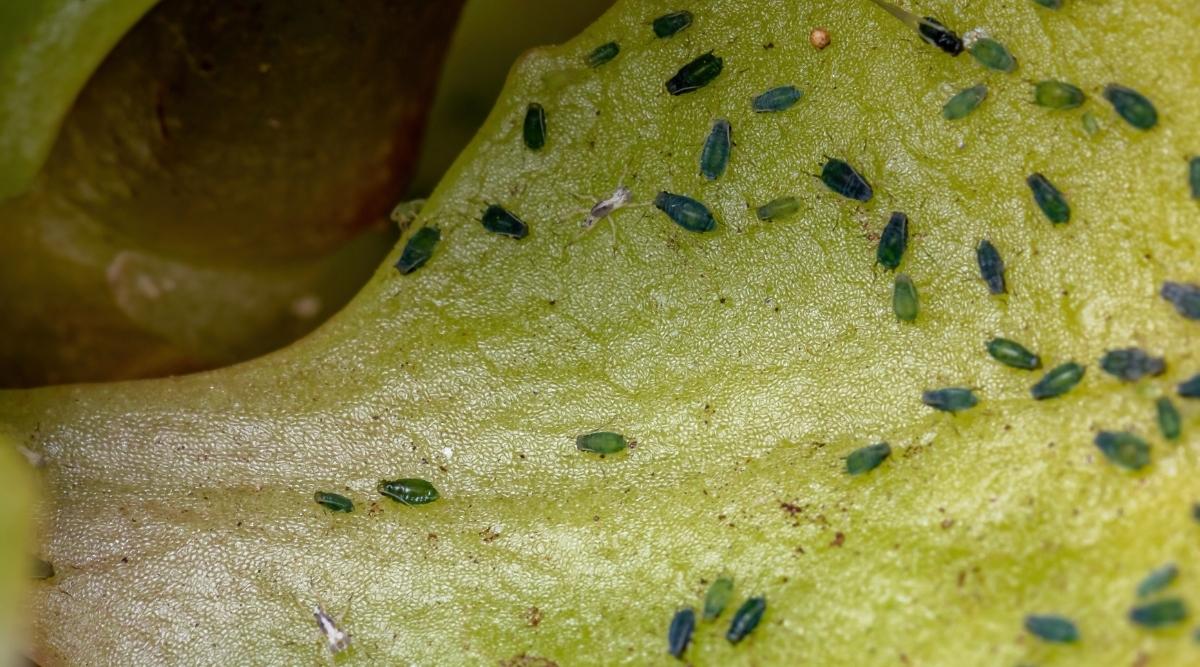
(839,176)
(714,158)
(334,502)
(499,220)
(685,212)
(601,442)
(991,54)
(696,74)
(717,597)
(534,128)
(409,491)
(1157,580)
(1190,388)
(1052,628)
(905,302)
(893,241)
(418,250)
(781,98)
(964,102)
(1184,296)
(679,634)
(1132,106)
(1124,449)
(746,619)
(671,24)
(781,207)
(1169,421)
(1048,198)
(603,54)
(950,399)
(866,459)
(1057,95)
(1159,614)
(1012,353)
(991,266)
(1131,364)
(1058,381)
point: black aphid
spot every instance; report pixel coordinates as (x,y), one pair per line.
(746,619)
(937,34)
(776,99)
(1124,449)
(535,127)
(1159,614)
(498,220)
(1169,421)
(685,212)
(1190,388)
(1132,106)
(1131,364)
(950,399)
(679,635)
(418,250)
(715,155)
(839,176)
(991,266)
(1184,296)
(1052,202)
(671,24)
(893,241)
(603,54)
(696,74)
(333,502)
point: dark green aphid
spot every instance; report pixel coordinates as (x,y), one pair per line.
(1196,512)
(1190,388)
(1058,381)
(334,502)
(1050,4)
(1169,421)
(991,267)
(1124,449)
(715,156)
(964,102)
(409,491)
(535,127)
(746,619)
(839,176)
(777,99)
(40,569)
(893,241)
(498,220)
(1132,106)
(932,31)
(950,399)
(418,250)
(1131,364)
(679,635)
(1052,628)
(601,442)
(1057,95)
(1159,614)
(866,459)
(904,299)
(778,208)
(686,212)
(696,74)
(1012,353)
(993,55)
(671,24)
(1184,296)
(1194,176)
(1157,580)
(602,54)
(717,597)
(1049,199)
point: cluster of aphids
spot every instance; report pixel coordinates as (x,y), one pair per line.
(1130,364)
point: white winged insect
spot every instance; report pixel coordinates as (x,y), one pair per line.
(620,198)
(336,639)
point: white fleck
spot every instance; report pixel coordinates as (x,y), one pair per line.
(974,35)
(36,460)
(447,452)
(306,307)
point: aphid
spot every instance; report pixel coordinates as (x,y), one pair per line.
(715,156)
(1052,202)
(1159,614)
(696,74)
(1169,421)
(1057,95)
(1052,628)
(950,399)
(671,24)
(335,638)
(679,635)
(1090,124)
(992,54)
(409,491)
(893,241)
(498,220)
(1058,381)
(685,212)
(1196,511)
(1190,388)
(418,250)
(778,208)
(334,502)
(866,459)
(41,569)
(717,597)
(839,176)
(535,126)
(819,38)
(602,54)
(1131,364)
(601,442)
(1124,449)
(1184,296)
(904,298)
(1132,106)
(964,102)
(746,619)
(781,98)
(1194,176)
(1050,4)
(1157,580)
(930,29)
(991,267)
(1012,353)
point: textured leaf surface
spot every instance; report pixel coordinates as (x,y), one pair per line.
(746,363)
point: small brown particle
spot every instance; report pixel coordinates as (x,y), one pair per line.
(790,508)
(819,38)
(838,540)
(947,523)
(489,535)
(534,616)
